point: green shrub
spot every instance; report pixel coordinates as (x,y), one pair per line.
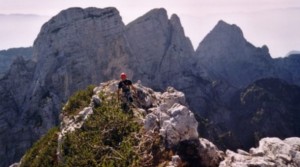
(78,101)
(109,137)
(106,139)
(43,152)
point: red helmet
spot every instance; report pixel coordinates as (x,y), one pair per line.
(123,75)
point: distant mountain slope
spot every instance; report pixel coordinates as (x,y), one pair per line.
(228,56)
(266,108)
(288,68)
(8,56)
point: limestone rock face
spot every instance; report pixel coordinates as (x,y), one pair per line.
(170,59)
(227,56)
(175,121)
(13,88)
(76,48)
(64,66)
(271,152)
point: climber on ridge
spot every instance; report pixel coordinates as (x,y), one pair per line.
(125,85)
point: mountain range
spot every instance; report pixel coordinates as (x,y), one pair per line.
(227,81)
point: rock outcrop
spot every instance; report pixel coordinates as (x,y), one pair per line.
(187,150)
(174,122)
(271,152)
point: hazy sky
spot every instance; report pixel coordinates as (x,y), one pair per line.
(275,23)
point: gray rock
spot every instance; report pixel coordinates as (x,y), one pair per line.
(151,122)
(172,51)
(271,152)
(8,56)
(209,153)
(227,56)
(181,126)
(96,101)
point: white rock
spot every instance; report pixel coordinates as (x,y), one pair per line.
(172,96)
(209,153)
(270,153)
(183,122)
(151,122)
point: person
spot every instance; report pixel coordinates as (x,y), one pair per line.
(125,86)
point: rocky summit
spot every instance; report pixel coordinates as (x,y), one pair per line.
(157,130)
(78,47)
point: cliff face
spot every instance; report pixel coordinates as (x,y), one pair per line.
(266,108)
(13,88)
(269,107)
(229,57)
(166,64)
(72,44)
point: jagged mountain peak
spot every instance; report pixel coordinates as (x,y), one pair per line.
(71,15)
(226,54)
(158,14)
(92,23)
(175,21)
(157,11)
(222,25)
(223,35)
(76,13)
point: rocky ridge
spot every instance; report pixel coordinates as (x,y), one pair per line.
(175,118)
(163,113)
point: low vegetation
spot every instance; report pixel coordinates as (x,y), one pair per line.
(43,152)
(78,101)
(109,137)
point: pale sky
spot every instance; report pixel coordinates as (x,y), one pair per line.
(275,23)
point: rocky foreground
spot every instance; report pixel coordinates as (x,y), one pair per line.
(166,122)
